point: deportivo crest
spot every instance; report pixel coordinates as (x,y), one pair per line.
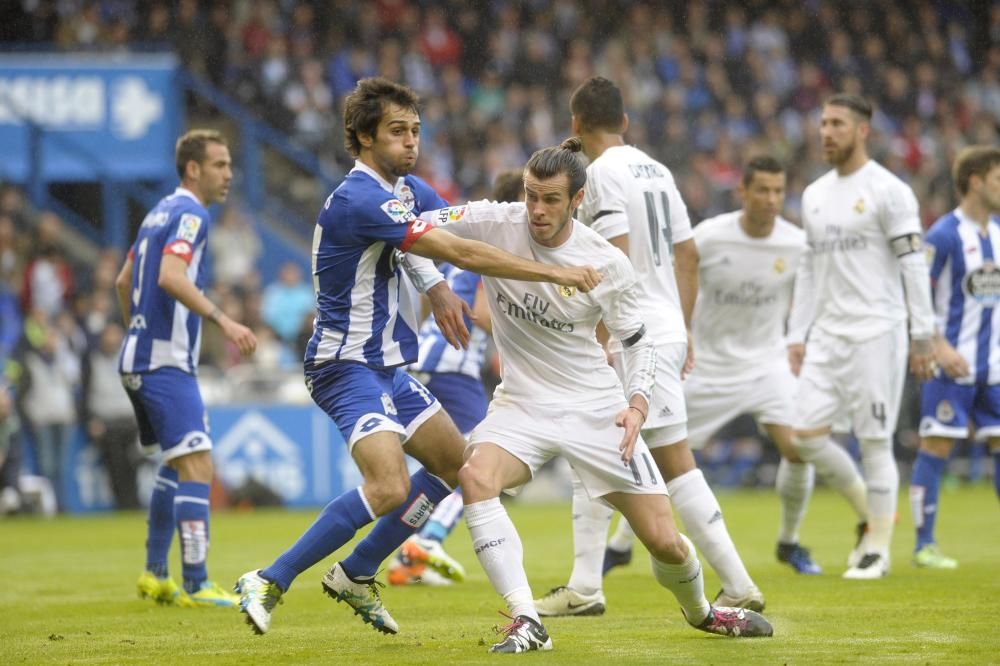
(929,252)
(567,292)
(397,211)
(859,206)
(779,265)
(405,195)
(187,228)
(944,412)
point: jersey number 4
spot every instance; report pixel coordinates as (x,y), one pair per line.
(658,225)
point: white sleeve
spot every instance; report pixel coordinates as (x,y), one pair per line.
(475,219)
(803,300)
(422,272)
(677,216)
(605,206)
(900,220)
(623,319)
(917,287)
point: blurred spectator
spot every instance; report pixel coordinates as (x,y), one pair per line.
(106,412)
(48,277)
(287,302)
(10,499)
(235,247)
(46,382)
(309,100)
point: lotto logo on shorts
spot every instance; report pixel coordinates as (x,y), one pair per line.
(132,382)
(418,512)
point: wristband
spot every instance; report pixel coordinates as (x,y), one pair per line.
(640,411)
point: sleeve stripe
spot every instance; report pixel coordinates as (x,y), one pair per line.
(602,213)
(634,338)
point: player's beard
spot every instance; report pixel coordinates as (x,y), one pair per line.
(840,155)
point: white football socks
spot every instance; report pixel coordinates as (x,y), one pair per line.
(834,465)
(499,549)
(883,492)
(591,520)
(686,582)
(794,484)
(697,506)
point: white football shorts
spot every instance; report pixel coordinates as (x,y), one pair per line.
(668,415)
(862,381)
(585,435)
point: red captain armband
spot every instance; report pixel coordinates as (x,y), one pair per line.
(415,230)
(180,248)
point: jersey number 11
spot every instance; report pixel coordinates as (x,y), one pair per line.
(658,225)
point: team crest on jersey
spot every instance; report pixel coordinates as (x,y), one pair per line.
(944,412)
(929,252)
(859,206)
(779,265)
(188,227)
(397,211)
(567,292)
(132,381)
(405,195)
(388,406)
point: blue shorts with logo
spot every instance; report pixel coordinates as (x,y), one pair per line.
(363,400)
(946,409)
(462,396)
(169,411)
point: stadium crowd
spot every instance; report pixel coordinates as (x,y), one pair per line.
(707,84)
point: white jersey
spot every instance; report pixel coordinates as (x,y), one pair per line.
(744,294)
(628,192)
(549,352)
(850,275)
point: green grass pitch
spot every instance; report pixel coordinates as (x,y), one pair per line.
(68,597)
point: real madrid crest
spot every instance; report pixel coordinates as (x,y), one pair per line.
(944,412)
(859,207)
(779,265)
(566,292)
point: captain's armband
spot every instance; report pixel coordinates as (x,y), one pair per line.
(906,244)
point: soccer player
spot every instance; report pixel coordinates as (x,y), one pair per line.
(454,378)
(746,271)
(160,294)
(364,333)
(632,201)
(963,247)
(559,397)
(862,277)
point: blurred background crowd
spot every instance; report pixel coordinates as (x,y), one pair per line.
(707,84)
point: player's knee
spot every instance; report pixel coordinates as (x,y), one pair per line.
(476,483)
(385,495)
(195,467)
(667,546)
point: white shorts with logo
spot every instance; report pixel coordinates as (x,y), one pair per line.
(862,381)
(712,404)
(586,436)
(667,411)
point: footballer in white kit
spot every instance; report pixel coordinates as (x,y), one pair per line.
(862,279)
(560,397)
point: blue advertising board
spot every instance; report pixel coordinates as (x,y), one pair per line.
(100,116)
(295,450)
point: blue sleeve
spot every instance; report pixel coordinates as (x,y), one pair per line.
(379,216)
(426,197)
(940,242)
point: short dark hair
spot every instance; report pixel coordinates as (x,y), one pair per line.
(973,161)
(764,163)
(192,147)
(509,186)
(855,103)
(564,158)
(365,105)
(598,105)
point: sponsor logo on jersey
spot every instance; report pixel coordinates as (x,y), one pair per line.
(405,195)
(567,292)
(749,294)
(944,411)
(452,214)
(388,406)
(836,240)
(779,265)
(859,206)
(534,310)
(187,228)
(983,285)
(397,211)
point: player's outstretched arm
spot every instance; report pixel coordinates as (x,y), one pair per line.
(173,279)
(123,287)
(492,261)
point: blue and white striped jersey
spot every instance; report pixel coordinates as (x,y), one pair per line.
(162,332)
(436,355)
(363,315)
(965,287)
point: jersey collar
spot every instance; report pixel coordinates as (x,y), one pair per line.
(364,168)
(184,192)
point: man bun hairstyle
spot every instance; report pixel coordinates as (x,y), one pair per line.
(365,106)
(564,158)
(598,105)
(193,145)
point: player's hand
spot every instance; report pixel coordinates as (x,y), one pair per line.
(631,419)
(922,363)
(796,355)
(96,428)
(950,361)
(583,278)
(689,358)
(449,313)
(240,335)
